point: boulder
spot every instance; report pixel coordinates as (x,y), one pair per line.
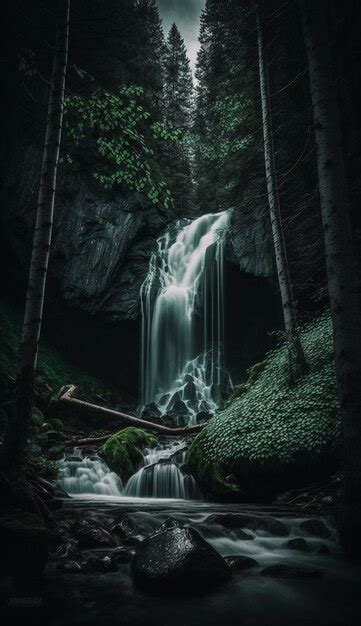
(239,563)
(316,527)
(178,560)
(289,571)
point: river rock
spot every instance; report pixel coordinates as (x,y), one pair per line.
(178,560)
(100,564)
(68,550)
(124,527)
(69,567)
(91,534)
(289,571)
(316,527)
(238,563)
(251,522)
(298,543)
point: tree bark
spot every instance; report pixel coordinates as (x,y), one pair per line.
(284,280)
(66,395)
(42,235)
(341,269)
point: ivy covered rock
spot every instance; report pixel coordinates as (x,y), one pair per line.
(123,451)
(274,435)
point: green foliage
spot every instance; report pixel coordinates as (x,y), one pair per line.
(272,431)
(52,368)
(123,451)
(37,417)
(118,129)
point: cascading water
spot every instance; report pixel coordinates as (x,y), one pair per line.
(182,313)
(159,476)
(86,475)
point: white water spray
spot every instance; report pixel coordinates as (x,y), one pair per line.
(85,475)
(183,317)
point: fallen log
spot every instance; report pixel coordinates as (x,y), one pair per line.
(66,395)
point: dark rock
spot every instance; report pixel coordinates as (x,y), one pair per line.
(190,391)
(68,550)
(124,527)
(24,544)
(288,571)
(70,566)
(178,560)
(150,411)
(203,416)
(268,524)
(169,523)
(298,543)
(122,555)
(323,550)
(238,563)
(316,527)
(100,564)
(91,534)
(179,409)
(133,540)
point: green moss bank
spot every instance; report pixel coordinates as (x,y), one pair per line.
(272,436)
(123,451)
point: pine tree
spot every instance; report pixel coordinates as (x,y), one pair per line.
(42,235)
(297,357)
(178,110)
(341,267)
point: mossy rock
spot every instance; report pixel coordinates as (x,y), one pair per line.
(123,451)
(275,436)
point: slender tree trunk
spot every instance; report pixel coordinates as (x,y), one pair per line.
(284,280)
(42,235)
(342,281)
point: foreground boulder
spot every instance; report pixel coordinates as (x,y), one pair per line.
(178,560)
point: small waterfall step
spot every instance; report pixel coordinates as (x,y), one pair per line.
(160,475)
(80,474)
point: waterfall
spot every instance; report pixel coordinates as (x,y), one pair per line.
(160,475)
(183,318)
(85,475)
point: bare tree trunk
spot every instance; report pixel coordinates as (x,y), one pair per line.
(284,280)
(342,281)
(42,235)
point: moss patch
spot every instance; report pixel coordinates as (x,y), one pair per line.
(274,435)
(123,451)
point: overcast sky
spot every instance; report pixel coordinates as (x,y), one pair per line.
(186,14)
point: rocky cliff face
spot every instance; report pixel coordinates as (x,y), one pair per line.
(102,241)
